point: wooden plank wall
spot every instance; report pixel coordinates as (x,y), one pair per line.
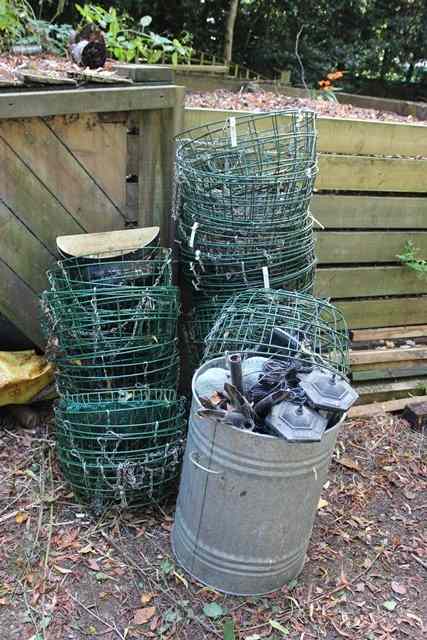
(58,175)
(371,196)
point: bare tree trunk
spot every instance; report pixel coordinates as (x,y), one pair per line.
(229,30)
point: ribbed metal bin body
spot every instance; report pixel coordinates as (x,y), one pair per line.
(246,504)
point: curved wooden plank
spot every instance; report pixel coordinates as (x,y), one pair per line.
(109,243)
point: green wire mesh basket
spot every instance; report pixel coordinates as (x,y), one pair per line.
(197,324)
(105,319)
(118,370)
(121,446)
(149,266)
(249,171)
(281,272)
(311,329)
(262,145)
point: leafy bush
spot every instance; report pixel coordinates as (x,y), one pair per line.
(128,41)
(14,18)
(410,258)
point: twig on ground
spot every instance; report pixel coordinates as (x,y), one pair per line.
(94,615)
(417,559)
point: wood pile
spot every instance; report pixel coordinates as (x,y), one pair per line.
(389,368)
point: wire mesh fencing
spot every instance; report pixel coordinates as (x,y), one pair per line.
(242,210)
(111,326)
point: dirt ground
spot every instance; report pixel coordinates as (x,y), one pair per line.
(66,575)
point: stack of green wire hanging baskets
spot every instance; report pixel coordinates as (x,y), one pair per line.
(111,324)
(243,218)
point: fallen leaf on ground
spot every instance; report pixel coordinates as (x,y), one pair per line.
(21,517)
(146,597)
(390,605)
(181,578)
(398,587)
(410,495)
(213,610)
(278,627)
(141,616)
(100,576)
(68,539)
(87,549)
(347,462)
(154,623)
(93,564)
(62,569)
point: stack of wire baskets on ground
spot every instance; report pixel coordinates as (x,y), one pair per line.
(243,218)
(111,325)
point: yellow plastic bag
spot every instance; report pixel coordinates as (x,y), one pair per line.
(23,374)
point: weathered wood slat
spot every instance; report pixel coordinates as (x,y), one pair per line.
(358,282)
(149,178)
(46,103)
(383,312)
(31,201)
(390,333)
(379,391)
(20,304)
(146,72)
(45,155)
(22,251)
(410,357)
(370,212)
(100,146)
(360,173)
(156,163)
(366,410)
(344,247)
(389,372)
(339,135)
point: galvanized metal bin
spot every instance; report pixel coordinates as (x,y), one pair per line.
(246,504)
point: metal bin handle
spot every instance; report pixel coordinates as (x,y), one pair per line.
(200,466)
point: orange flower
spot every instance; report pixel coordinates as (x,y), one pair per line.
(336,75)
(324,84)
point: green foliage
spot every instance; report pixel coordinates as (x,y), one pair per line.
(328,95)
(213,610)
(278,627)
(19,26)
(14,18)
(228,630)
(167,566)
(51,37)
(128,41)
(410,258)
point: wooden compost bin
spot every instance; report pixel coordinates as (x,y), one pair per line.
(371,196)
(63,169)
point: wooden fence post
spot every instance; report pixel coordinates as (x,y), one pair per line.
(156,166)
